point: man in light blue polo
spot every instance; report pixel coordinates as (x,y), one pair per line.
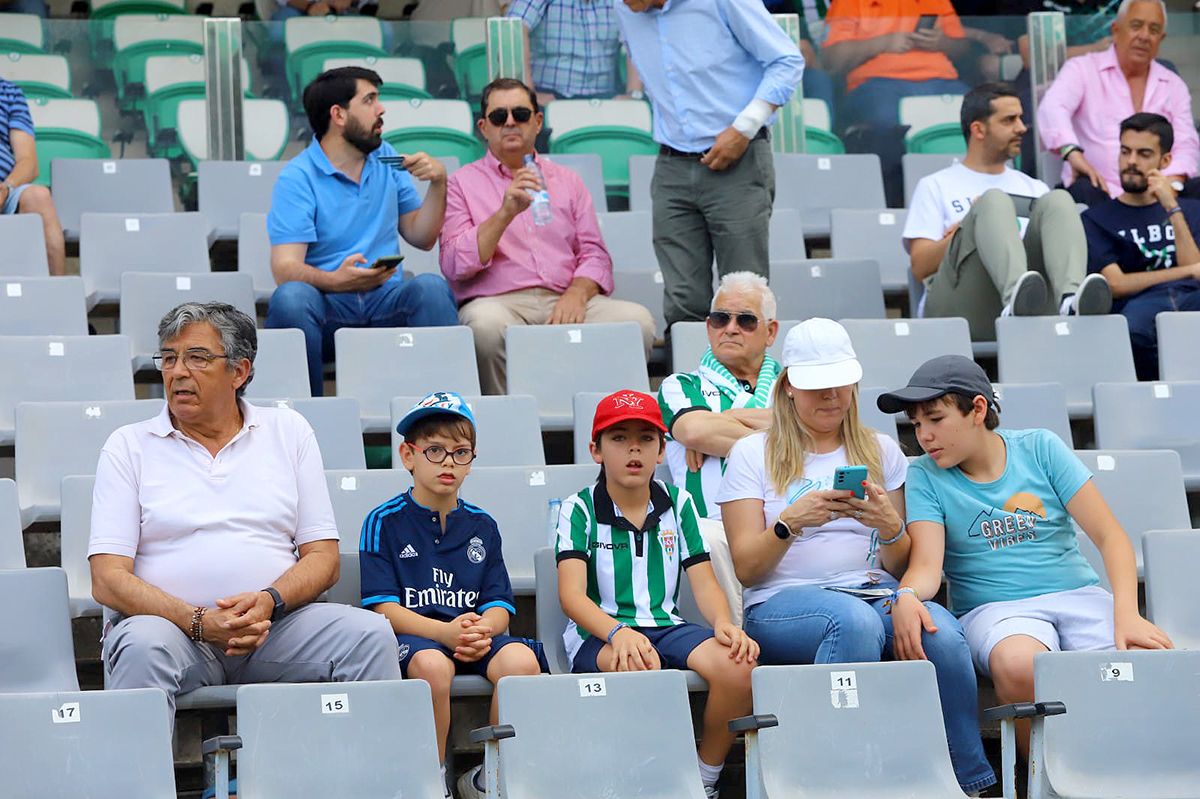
(715,72)
(336,210)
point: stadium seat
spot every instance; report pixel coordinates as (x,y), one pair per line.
(100,744)
(253,251)
(590,168)
(917,165)
(130,186)
(1077,351)
(890,350)
(24,250)
(137,37)
(23,33)
(36,653)
(816,184)
(76,527)
(1178,332)
(1144,489)
(584,407)
(1172,560)
(38,75)
(403,78)
(1026,405)
(613,129)
(311,41)
(355,493)
(822,731)
(53,368)
(365,739)
(281,366)
(469,37)
(506,430)
(873,234)
(834,288)
(785,235)
(628,237)
(41,459)
(421,262)
(348,589)
(438,127)
(171,79)
(1151,416)
(554,362)
(933,124)
(66,129)
(229,189)
(335,424)
(870,415)
(376,364)
(689,340)
(109,9)
(646,289)
(518,498)
(146,297)
(42,306)
(266,129)
(641,171)
(819,138)
(113,244)
(12,542)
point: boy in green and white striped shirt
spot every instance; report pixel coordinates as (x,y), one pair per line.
(623,547)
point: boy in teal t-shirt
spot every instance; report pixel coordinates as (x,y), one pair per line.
(993,510)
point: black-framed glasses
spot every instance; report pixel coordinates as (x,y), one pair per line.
(719,320)
(195,360)
(521,114)
(435,453)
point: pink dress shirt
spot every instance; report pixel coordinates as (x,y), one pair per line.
(527,256)
(1090,97)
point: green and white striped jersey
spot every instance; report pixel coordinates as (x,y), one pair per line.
(632,575)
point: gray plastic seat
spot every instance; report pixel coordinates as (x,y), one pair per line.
(555,362)
(628,235)
(147,297)
(646,289)
(816,184)
(127,186)
(785,235)
(874,234)
(42,459)
(76,527)
(356,492)
(376,364)
(1151,416)
(1172,559)
(12,541)
(36,652)
(689,340)
(42,306)
(421,262)
(917,165)
(835,735)
(281,365)
(113,244)
(1077,351)
(834,288)
(507,432)
(99,744)
(335,422)
(1178,332)
(24,250)
(590,168)
(227,189)
(585,411)
(641,173)
(56,368)
(890,350)
(254,254)
(1026,405)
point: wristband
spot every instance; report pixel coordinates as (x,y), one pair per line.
(753,117)
(905,590)
(1066,150)
(198,624)
(1173,211)
(889,541)
(620,626)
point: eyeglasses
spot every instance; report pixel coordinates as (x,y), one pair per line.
(437,454)
(521,114)
(194,360)
(719,320)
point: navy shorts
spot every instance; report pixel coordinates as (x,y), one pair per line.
(412,644)
(673,644)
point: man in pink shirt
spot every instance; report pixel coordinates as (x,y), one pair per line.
(1080,116)
(505,270)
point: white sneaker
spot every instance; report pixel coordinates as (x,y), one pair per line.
(1092,298)
(466,785)
(1028,297)
(711,792)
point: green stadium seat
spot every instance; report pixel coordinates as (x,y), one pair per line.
(819,138)
(66,129)
(22,33)
(311,41)
(137,38)
(933,124)
(403,78)
(171,79)
(613,129)
(38,75)
(109,9)
(266,129)
(440,128)
(469,36)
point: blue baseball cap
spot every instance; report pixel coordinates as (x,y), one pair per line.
(438,402)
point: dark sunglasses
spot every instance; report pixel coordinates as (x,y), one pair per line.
(521,114)
(719,320)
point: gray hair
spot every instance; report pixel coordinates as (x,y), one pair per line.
(749,282)
(239,336)
(1123,9)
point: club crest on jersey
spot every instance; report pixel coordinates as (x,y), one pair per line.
(667,539)
(475,551)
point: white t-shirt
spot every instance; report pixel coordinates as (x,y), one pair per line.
(201,527)
(839,553)
(943,198)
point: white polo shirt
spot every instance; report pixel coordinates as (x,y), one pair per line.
(201,527)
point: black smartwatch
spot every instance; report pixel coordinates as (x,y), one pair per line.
(280,608)
(782,530)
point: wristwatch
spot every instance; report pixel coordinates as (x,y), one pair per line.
(783,531)
(280,608)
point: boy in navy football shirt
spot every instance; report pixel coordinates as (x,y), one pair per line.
(432,565)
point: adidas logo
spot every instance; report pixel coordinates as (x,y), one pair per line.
(408,552)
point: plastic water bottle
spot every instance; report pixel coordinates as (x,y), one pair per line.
(552,510)
(541,198)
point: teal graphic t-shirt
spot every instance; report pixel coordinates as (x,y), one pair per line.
(1011,538)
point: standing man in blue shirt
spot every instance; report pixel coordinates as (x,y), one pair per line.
(336,210)
(18,170)
(715,71)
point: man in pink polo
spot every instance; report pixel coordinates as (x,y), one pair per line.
(1080,116)
(502,267)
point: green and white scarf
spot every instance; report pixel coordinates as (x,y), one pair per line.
(723,380)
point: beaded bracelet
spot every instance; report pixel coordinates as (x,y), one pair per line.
(198,624)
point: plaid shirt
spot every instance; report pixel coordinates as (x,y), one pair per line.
(575,45)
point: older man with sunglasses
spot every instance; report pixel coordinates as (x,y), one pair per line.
(727,397)
(503,268)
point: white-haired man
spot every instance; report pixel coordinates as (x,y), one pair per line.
(707,410)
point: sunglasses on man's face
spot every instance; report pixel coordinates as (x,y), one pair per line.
(719,320)
(521,114)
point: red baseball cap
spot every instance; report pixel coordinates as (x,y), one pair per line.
(623,406)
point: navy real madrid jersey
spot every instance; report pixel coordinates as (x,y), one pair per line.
(404,557)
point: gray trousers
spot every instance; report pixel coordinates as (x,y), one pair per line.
(321,642)
(699,213)
(987,256)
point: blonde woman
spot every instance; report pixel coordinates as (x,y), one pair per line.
(818,565)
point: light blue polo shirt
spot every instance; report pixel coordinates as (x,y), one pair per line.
(317,205)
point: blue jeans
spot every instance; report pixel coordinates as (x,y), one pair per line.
(27,7)
(422,301)
(809,624)
(877,101)
(1140,311)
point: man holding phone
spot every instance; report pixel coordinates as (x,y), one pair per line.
(335,214)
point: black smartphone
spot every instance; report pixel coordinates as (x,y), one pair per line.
(387,262)
(926,22)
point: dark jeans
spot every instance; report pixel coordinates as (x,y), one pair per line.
(1140,311)
(877,101)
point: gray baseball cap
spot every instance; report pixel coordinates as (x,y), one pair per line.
(945,374)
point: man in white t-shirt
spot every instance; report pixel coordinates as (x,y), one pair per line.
(986,238)
(213,533)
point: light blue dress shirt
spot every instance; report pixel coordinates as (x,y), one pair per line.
(703,61)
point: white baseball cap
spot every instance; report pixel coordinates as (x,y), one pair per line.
(817,354)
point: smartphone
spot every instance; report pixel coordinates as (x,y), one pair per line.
(387,262)
(926,22)
(851,478)
(1023,204)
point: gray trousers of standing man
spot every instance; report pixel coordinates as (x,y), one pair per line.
(321,642)
(699,213)
(987,257)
